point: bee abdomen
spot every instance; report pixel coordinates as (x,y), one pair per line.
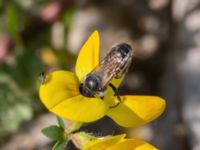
(124,49)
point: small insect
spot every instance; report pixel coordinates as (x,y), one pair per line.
(114,65)
(42,78)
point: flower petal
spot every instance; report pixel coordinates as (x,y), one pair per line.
(58,85)
(137,110)
(80,108)
(104,143)
(60,94)
(88,57)
(109,93)
(117,82)
(132,144)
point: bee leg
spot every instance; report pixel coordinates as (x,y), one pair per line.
(102,97)
(117,94)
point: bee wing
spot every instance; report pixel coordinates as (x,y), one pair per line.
(109,67)
(114,65)
(124,66)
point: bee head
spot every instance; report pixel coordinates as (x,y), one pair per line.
(90,86)
(92,83)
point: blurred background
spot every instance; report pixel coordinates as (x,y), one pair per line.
(43,35)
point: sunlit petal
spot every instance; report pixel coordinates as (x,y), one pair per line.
(80,108)
(137,110)
(109,93)
(59,85)
(132,144)
(88,56)
(117,82)
(60,94)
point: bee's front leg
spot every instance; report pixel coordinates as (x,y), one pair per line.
(101,95)
(117,94)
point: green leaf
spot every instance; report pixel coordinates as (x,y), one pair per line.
(13,22)
(60,122)
(59,145)
(54,132)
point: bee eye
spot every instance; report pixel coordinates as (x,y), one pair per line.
(91,83)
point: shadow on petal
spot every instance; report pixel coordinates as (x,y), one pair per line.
(137,110)
(104,143)
(117,82)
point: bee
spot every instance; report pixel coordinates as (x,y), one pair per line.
(114,65)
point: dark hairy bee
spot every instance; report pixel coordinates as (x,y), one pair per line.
(114,65)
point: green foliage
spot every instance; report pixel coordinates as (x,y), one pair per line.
(60,122)
(59,145)
(13,22)
(54,132)
(68,17)
(19,101)
(13,106)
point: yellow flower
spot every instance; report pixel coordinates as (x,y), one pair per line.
(118,142)
(60,94)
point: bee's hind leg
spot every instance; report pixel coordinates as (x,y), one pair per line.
(117,94)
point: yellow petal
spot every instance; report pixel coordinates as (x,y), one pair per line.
(132,144)
(80,108)
(104,143)
(58,85)
(117,82)
(60,94)
(137,110)
(109,93)
(88,57)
